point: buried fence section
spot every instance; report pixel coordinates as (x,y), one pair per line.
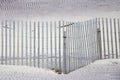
(110,39)
(81,44)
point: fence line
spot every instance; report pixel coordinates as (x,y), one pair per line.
(58,45)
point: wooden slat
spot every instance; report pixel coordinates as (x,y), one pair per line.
(34,44)
(42,44)
(30,38)
(38,54)
(59,45)
(115,26)
(14,42)
(18,42)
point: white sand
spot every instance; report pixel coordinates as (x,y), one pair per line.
(99,70)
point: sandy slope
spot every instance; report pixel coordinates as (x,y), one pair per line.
(99,70)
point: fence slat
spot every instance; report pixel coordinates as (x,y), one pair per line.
(6,49)
(55,34)
(115,38)
(14,42)
(26,25)
(59,45)
(38,44)
(30,31)
(2,43)
(111,38)
(51,44)
(34,44)
(47,43)
(18,42)
(42,44)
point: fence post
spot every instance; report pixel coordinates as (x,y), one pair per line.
(64,51)
(99,42)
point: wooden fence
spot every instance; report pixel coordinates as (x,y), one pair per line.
(58,45)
